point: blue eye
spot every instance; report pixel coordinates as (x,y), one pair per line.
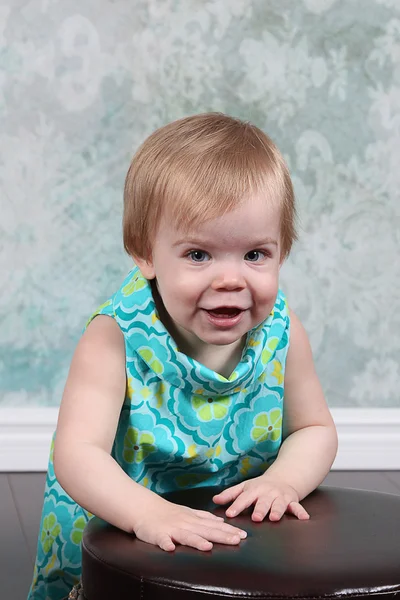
(199,256)
(255,255)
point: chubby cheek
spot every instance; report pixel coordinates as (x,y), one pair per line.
(180,299)
(265,299)
(188,297)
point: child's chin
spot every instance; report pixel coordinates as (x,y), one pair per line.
(223,338)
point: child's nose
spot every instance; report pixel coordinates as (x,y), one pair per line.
(230,279)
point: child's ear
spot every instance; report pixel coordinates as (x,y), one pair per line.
(146,267)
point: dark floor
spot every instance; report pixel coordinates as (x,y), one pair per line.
(20,507)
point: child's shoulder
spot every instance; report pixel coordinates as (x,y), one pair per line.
(126,296)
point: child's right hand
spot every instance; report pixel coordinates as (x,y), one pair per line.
(166,523)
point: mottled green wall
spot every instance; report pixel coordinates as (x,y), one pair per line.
(83,82)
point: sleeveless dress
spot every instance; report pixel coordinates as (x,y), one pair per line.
(181,425)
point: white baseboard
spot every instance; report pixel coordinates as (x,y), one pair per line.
(25,437)
(369,438)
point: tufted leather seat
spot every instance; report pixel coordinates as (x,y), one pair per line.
(349,548)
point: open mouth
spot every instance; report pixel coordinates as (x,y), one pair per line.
(226,312)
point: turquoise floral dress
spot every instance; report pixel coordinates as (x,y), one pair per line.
(182,425)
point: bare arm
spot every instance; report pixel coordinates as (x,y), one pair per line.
(310,438)
(87,423)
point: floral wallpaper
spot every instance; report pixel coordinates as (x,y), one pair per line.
(83,82)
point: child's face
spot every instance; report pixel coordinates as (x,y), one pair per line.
(221,279)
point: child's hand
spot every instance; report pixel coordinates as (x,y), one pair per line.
(270,495)
(166,524)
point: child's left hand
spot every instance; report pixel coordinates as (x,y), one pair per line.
(270,495)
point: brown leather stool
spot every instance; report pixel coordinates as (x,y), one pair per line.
(349,548)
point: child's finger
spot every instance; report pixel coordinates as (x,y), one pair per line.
(229,494)
(194,540)
(165,543)
(278,509)
(261,509)
(242,501)
(211,525)
(219,536)
(296,509)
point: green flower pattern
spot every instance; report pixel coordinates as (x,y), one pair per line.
(77,531)
(135,285)
(267,426)
(148,355)
(138,445)
(209,408)
(51,530)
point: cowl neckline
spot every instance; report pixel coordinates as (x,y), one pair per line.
(136,312)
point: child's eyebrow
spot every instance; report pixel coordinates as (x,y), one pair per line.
(201,242)
(264,242)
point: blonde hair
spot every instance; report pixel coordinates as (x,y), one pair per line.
(199,168)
